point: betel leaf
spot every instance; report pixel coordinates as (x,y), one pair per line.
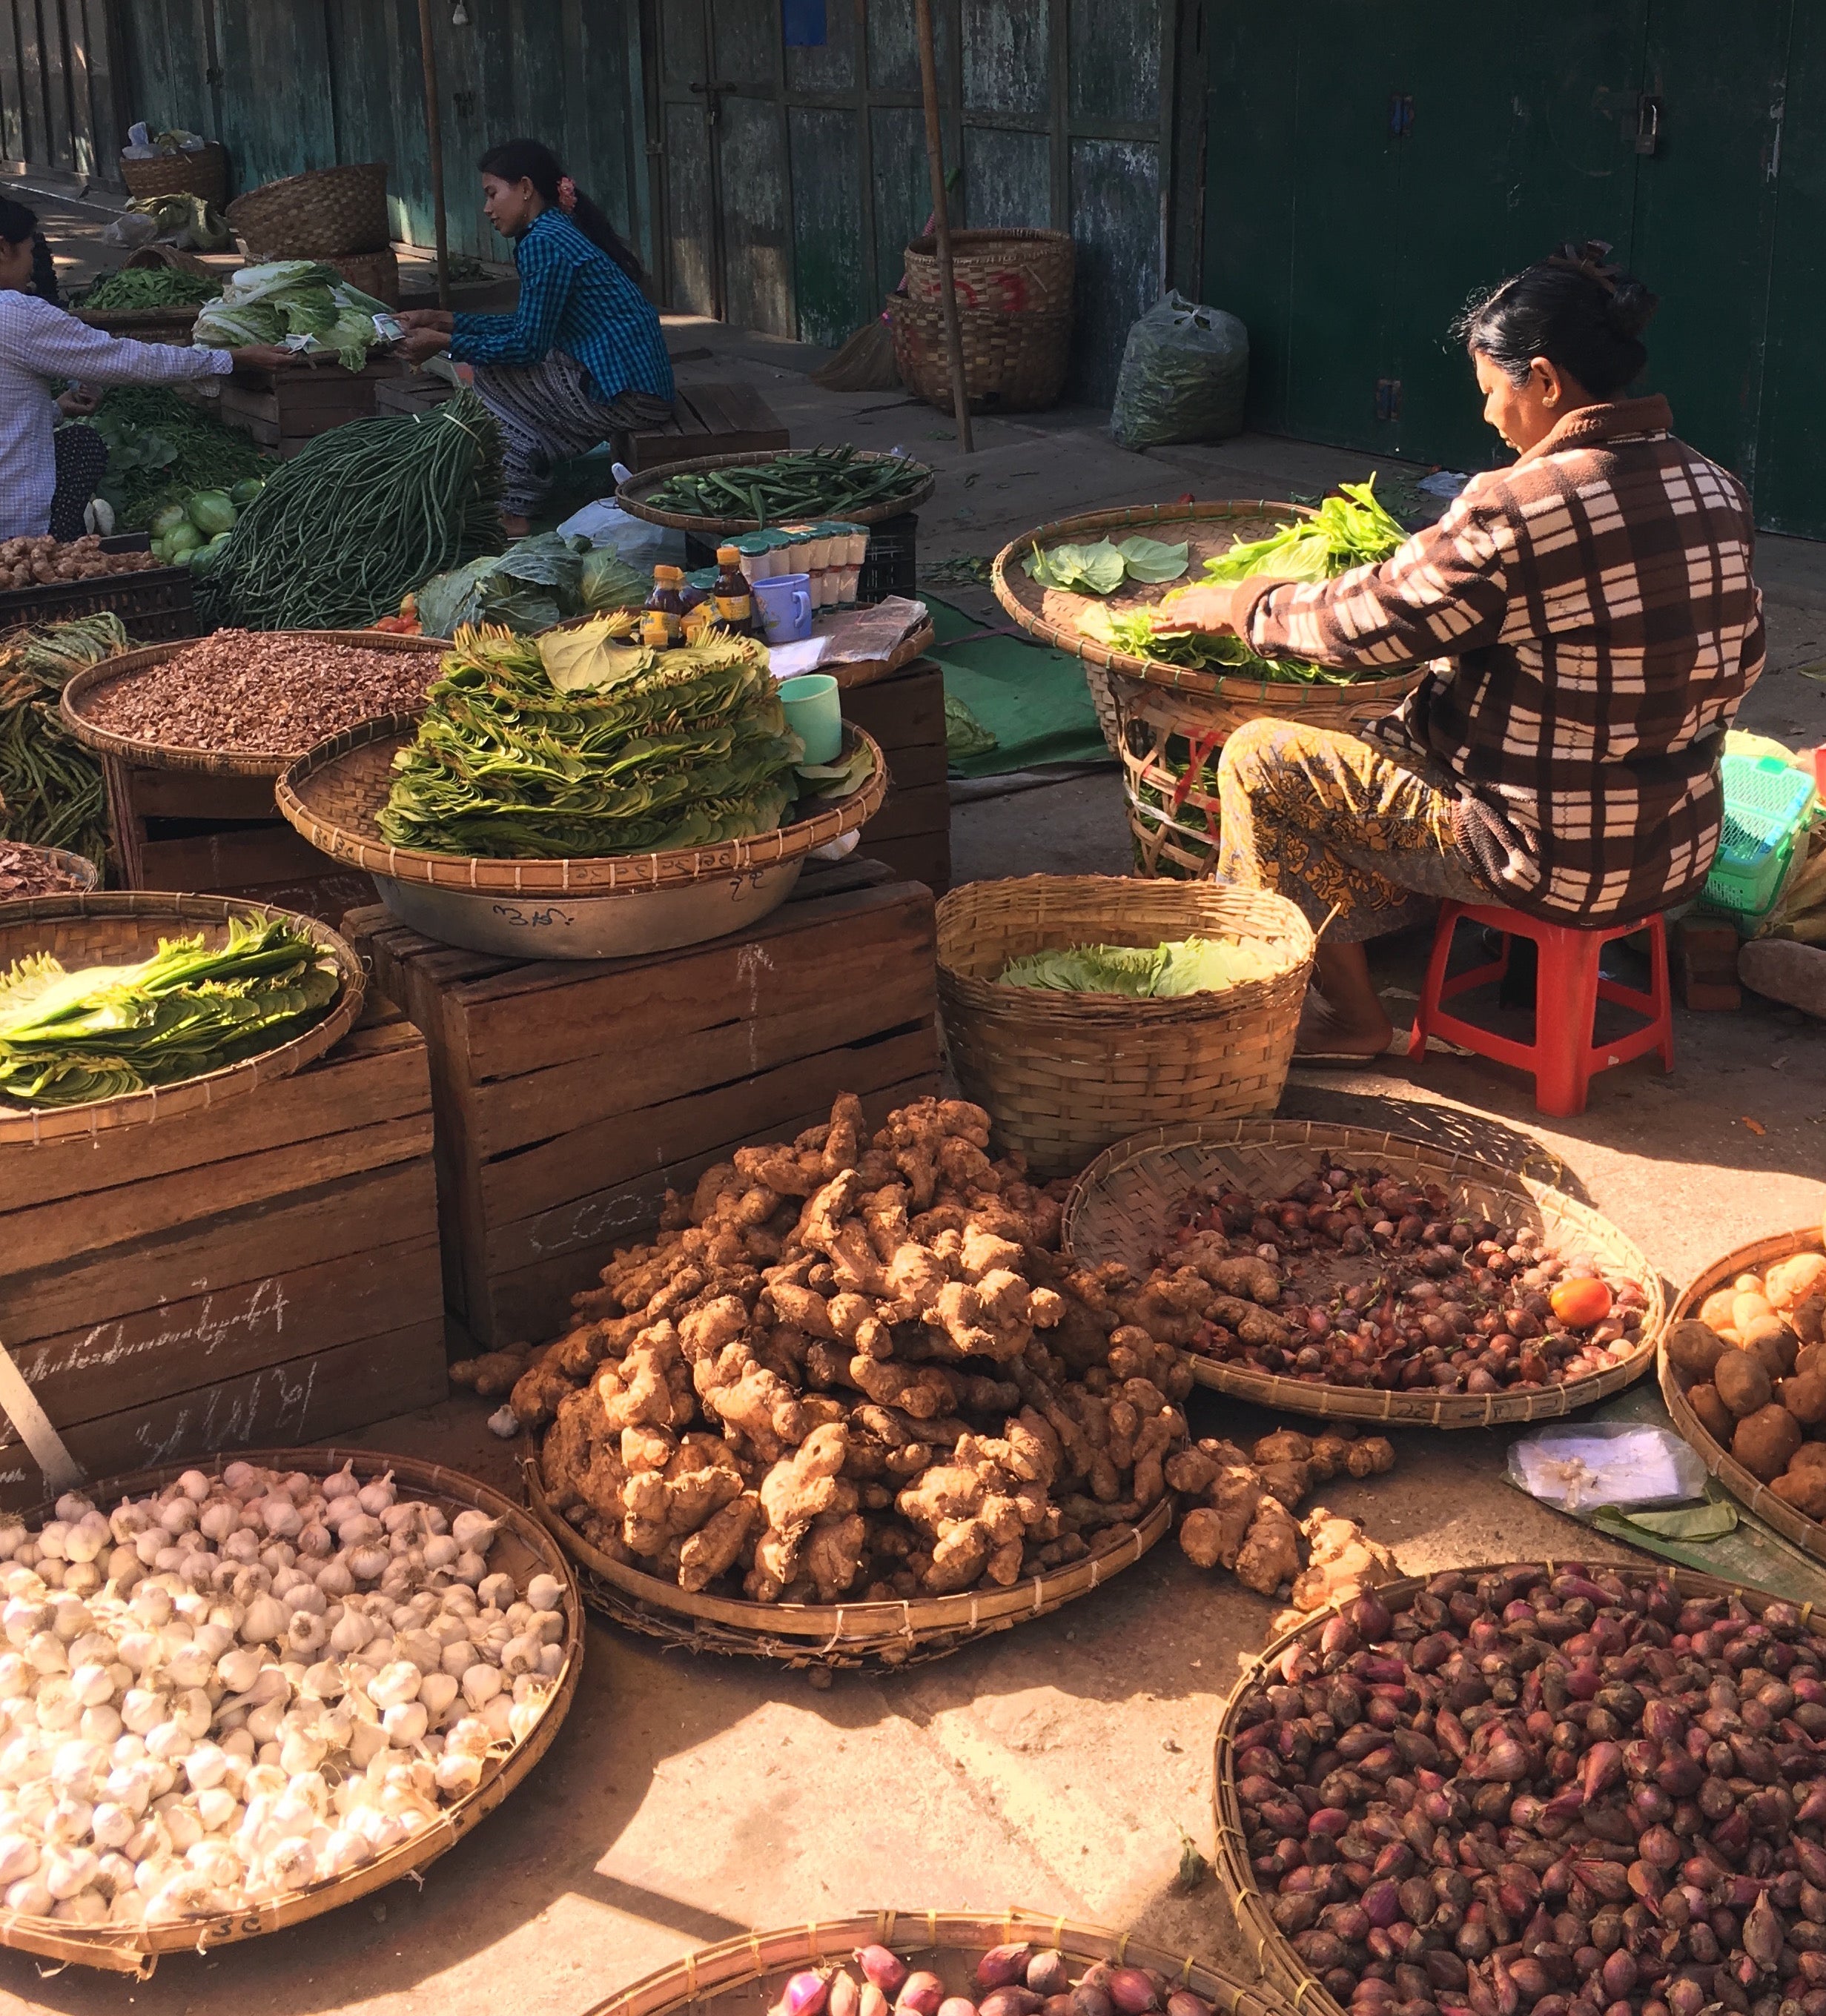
(1090,570)
(1154,559)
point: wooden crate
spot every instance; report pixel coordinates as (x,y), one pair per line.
(709,416)
(570,1097)
(220,836)
(262,1273)
(904,712)
(283,409)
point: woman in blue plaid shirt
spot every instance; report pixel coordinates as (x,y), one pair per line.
(582,359)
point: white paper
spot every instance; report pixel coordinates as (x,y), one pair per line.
(787,662)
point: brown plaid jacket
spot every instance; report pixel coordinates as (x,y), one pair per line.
(1600,627)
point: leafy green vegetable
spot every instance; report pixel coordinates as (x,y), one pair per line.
(1096,569)
(293,297)
(639,751)
(532,585)
(1348,530)
(1154,559)
(68,1037)
(607,582)
(1180,966)
(162,449)
(964,735)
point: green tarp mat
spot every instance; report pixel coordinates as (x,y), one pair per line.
(1032,699)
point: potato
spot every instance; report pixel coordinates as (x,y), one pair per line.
(1742,1383)
(1804,1489)
(1772,1344)
(1809,1319)
(1746,1310)
(1714,1416)
(1748,1284)
(1765,1442)
(1789,1282)
(1715,1310)
(1809,1455)
(1805,1397)
(1694,1349)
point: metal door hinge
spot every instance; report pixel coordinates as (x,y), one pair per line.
(1400,114)
(1647,124)
(1388,398)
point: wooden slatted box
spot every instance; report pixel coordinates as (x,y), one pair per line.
(904,712)
(283,410)
(570,1097)
(264,1271)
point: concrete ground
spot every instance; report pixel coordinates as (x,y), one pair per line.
(1058,1766)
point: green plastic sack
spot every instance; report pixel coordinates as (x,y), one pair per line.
(1185,374)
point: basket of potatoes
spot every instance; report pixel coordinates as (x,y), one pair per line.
(1743,1371)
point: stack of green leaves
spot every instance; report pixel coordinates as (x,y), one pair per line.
(67,1039)
(146,287)
(163,449)
(1102,567)
(51,793)
(582,749)
(537,582)
(1145,973)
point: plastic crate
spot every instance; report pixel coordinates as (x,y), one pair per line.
(1765,804)
(155,606)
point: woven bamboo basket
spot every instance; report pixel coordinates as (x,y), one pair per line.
(632,495)
(160,325)
(203,172)
(118,928)
(1167,724)
(1063,1076)
(331,795)
(521,1548)
(321,214)
(1014,362)
(1280,1966)
(156,254)
(1017,272)
(81,692)
(879,1636)
(1123,1208)
(742,1976)
(1807,1534)
(376,273)
(80,874)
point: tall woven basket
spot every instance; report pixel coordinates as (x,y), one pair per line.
(202,171)
(323,214)
(1012,362)
(1063,1076)
(1015,271)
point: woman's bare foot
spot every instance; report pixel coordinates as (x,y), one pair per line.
(1324,1032)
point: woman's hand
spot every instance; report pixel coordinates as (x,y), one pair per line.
(437,319)
(417,344)
(264,357)
(78,403)
(1213,610)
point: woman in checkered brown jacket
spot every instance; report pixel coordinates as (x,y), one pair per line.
(1588,625)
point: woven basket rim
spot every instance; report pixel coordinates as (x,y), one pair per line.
(1280,1966)
(209,1089)
(631,495)
(1074,644)
(136,1949)
(826,1632)
(584,875)
(1042,1007)
(752,1956)
(83,686)
(1808,1535)
(1446,1411)
(925,245)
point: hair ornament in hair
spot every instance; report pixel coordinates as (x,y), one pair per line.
(567,196)
(1593,259)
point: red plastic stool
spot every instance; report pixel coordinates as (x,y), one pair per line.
(1562,1058)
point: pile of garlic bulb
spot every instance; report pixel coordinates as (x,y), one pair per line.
(248,1684)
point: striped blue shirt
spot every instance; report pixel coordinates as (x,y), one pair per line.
(573,298)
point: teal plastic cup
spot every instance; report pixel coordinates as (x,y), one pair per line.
(814,712)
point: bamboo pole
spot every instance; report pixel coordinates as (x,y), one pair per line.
(435,140)
(941,220)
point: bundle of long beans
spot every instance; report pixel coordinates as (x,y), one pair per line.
(50,785)
(359,517)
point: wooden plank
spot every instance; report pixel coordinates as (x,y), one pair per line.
(534,1302)
(915,768)
(59,152)
(230,860)
(307,1399)
(922,857)
(101,1369)
(926,810)
(374,1074)
(389,1205)
(906,709)
(328,898)
(543,1178)
(192,794)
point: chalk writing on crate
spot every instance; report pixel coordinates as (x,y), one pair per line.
(256,1311)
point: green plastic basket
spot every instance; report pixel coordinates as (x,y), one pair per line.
(1767,804)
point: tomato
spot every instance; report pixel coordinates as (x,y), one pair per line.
(1581,1301)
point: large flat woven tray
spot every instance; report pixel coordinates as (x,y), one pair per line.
(1807,1534)
(522,1548)
(632,495)
(81,692)
(117,928)
(332,794)
(1122,1208)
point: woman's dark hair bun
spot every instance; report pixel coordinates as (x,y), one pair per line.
(1632,308)
(1583,315)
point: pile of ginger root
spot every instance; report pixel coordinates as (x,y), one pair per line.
(853,1366)
(1244,1518)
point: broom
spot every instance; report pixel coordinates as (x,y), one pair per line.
(866,363)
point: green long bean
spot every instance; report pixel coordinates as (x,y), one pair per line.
(821,482)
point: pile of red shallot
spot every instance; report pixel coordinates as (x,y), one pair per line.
(1018,1980)
(1569,1792)
(1384,1284)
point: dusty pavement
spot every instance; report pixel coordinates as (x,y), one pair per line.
(1057,1766)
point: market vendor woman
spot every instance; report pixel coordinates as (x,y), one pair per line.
(48,473)
(1590,626)
(582,359)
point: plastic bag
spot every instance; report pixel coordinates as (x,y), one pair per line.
(1185,372)
(604,523)
(1607,1463)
